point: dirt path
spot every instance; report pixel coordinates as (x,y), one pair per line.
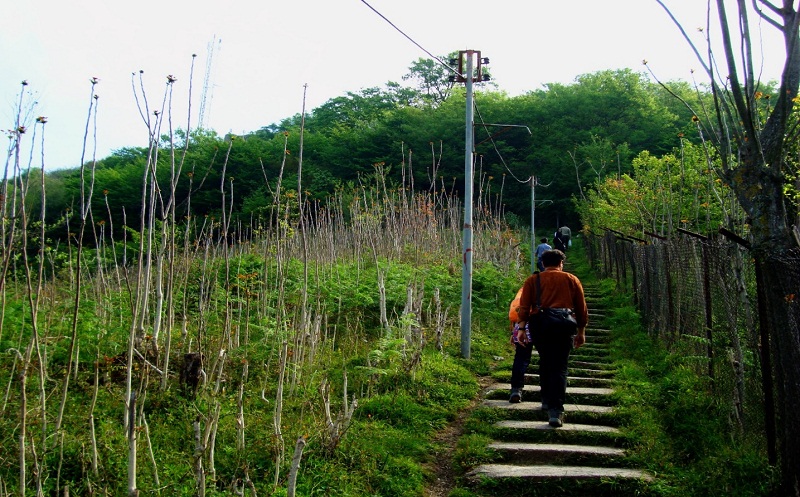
(444,479)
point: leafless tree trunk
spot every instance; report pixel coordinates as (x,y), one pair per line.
(199,450)
(298,454)
(132,490)
(23,426)
(210,440)
(151,455)
(85,208)
(240,431)
(278,413)
(95,466)
(337,428)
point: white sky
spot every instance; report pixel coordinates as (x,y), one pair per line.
(268,49)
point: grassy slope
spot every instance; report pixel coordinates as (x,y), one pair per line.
(675,429)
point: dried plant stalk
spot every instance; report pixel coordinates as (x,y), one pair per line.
(199,450)
(298,454)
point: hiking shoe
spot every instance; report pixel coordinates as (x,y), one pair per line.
(516,396)
(556,418)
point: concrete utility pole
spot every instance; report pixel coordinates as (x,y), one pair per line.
(533,224)
(467,74)
(534,183)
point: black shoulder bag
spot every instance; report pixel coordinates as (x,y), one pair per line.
(559,320)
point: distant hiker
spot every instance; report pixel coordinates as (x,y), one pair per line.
(566,235)
(558,242)
(551,290)
(562,238)
(541,249)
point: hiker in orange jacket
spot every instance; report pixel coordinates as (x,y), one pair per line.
(559,289)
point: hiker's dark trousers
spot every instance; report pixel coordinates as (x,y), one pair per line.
(554,353)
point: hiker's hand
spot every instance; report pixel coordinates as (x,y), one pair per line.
(580,339)
(521,335)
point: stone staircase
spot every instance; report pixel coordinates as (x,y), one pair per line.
(584,457)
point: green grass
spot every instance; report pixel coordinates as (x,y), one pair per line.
(676,427)
(387,450)
(672,426)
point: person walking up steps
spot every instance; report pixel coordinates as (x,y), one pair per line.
(561,238)
(541,249)
(552,289)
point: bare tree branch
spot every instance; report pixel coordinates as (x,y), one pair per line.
(764,16)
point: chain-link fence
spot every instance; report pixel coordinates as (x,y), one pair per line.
(699,296)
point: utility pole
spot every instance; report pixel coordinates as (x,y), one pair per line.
(533,224)
(467,74)
(534,183)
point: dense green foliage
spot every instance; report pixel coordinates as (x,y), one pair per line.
(676,190)
(580,133)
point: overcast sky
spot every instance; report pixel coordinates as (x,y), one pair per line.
(265,51)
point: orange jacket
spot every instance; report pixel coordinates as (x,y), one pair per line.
(514,309)
(559,289)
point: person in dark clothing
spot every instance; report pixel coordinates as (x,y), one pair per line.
(558,242)
(558,289)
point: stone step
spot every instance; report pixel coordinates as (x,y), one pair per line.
(575,395)
(530,409)
(515,424)
(591,351)
(577,429)
(588,447)
(600,358)
(576,381)
(578,363)
(548,472)
(588,362)
(592,347)
(562,454)
(605,373)
(577,368)
(570,390)
(595,345)
(592,357)
(537,407)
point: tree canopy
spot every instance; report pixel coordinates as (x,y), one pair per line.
(580,133)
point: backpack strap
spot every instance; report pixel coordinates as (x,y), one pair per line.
(538,292)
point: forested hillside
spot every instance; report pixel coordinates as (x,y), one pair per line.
(579,133)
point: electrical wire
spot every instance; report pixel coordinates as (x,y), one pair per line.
(437,59)
(451,69)
(483,123)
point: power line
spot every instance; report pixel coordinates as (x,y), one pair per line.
(437,59)
(451,69)
(496,149)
